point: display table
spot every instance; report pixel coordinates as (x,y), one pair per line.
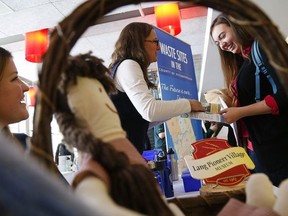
(195,204)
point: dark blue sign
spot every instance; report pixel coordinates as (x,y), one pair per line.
(177,74)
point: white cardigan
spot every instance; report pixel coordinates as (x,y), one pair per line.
(129,79)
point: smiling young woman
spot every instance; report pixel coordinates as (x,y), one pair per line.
(236,47)
(12,89)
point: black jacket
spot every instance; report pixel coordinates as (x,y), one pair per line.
(131,121)
(268,132)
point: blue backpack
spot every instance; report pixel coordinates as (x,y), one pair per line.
(260,68)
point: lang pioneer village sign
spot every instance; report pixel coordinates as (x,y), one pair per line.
(216,162)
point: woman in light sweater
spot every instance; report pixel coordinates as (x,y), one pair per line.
(135,49)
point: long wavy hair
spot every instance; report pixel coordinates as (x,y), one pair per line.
(130,45)
(5,55)
(131,186)
(231,62)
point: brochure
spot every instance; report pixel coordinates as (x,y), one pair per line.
(211,113)
(208,116)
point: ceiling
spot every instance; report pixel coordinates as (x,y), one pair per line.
(20,16)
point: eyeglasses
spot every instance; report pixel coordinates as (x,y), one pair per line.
(153,41)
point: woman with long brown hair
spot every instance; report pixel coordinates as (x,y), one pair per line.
(265,117)
(135,49)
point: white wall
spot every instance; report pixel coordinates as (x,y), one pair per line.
(277,11)
(211,74)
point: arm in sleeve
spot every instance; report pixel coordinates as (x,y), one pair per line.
(130,79)
(280,103)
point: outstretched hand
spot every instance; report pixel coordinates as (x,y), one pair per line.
(196,106)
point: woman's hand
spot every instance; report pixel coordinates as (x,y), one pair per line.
(196,106)
(231,114)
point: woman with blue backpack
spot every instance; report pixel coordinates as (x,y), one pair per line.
(260,103)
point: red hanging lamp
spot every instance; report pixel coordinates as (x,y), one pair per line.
(36,44)
(168,18)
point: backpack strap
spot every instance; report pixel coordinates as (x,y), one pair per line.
(260,68)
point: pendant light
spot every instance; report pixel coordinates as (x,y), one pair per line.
(36,44)
(168,18)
